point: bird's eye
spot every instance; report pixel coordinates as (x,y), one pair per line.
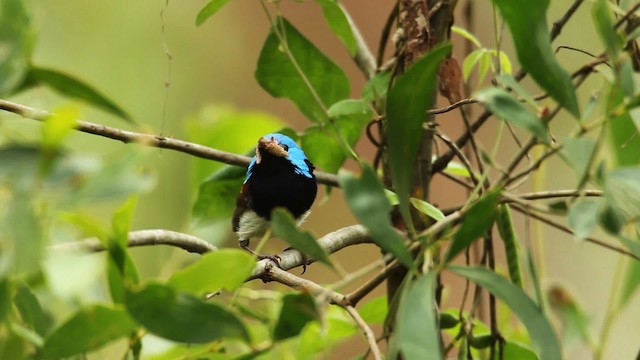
(285,147)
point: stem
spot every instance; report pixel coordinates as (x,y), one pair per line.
(151,140)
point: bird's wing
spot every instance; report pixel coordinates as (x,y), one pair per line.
(242,204)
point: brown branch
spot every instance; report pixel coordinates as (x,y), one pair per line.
(451,107)
(332,242)
(571,232)
(151,140)
(368,333)
(363,56)
(145,238)
(442,161)
(435,229)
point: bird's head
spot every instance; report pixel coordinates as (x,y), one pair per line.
(271,145)
(281,146)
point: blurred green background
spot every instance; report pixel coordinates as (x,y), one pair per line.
(122,48)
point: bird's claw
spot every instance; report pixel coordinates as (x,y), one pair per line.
(275,258)
(244,244)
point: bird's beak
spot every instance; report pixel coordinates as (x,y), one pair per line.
(270,145)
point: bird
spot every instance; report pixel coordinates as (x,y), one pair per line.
(279,175)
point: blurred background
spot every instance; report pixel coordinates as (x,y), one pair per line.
(176,79)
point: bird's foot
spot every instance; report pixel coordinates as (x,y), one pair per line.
(305,259)
(244,245)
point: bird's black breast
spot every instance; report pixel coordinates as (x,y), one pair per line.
(274,183)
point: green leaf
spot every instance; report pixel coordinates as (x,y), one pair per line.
(478,56)
(14,347)
(121,221)
(322,146)
(407,103)
(583,217)
(26,334)
(182,317)
(577,152)
(605,26)
(630,284)
(217,194)
(574,320)
(6,293)
(70,273)
(622,191)
(366,198)
(508,109)
(322,143)
(339,24)
(467,35)
(456,168)
(87,330)
(510,82)
(224,269)
(416,325)
(30,309)
(297,310)
(427,209)
(120,177)
(285,228)
(623,139)
(375,310)
(121,269)
(57,126)
(510,240)
(229,129)
(513,350)
(72,87)
(540,330)
(209,10)
(280,77)
(376,87)
(23,239)
(528,25)
(477,220)
(17,37)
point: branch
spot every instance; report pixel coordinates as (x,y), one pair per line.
(332,242)
(145,238)
(571,232)
(151,140)
(363,57)
(431,232)
(368,333)
(274,273)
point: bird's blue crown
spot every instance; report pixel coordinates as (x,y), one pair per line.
(296,156)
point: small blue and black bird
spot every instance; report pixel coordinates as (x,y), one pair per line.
(279,175)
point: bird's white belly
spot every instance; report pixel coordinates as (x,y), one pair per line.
(251,225)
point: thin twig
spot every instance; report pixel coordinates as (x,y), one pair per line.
(433,231)
(442,161)
(451,107)
(368,333)
(460,154)
(569,231)
(627,15)
(151,140)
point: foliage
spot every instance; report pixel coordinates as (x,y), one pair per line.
(58,302)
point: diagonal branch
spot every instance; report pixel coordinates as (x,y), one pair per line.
(151,140)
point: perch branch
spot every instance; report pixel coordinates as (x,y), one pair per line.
(152,140)
(332,242)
